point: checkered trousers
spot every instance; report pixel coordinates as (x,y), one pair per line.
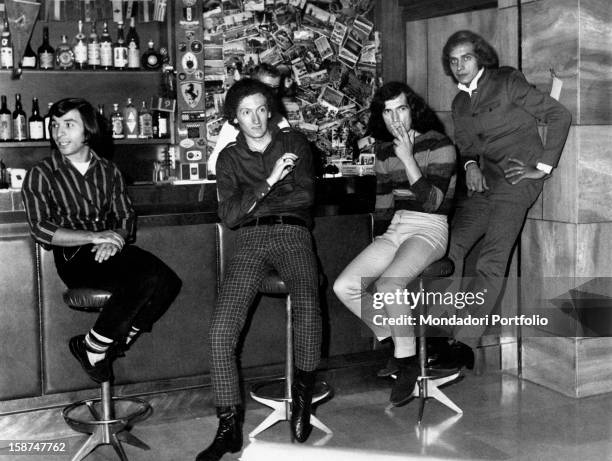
(288,249)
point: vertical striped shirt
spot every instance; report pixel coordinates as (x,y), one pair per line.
(56,195)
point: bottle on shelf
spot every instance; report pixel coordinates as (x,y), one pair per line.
(20,124)
(151,59)
(145,122)
(162,120)
(36,124)
(106,49)
(64,57)
(6,121)
(4,183)
(46,53)
(117,123)
(93,48)
(47,121)
(29,59)
(120,50)
(130,118)
(133,46)
(79,48)
(6,47)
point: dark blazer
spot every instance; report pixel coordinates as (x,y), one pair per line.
(500,121)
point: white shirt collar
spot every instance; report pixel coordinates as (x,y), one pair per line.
(473,84)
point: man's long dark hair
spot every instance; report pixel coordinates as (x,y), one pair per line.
(423,117)
(92,125)
(486,55)
(240,90)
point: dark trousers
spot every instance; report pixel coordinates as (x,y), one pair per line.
(497,217)
(142,286)
(288,249)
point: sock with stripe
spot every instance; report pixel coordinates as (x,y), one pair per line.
(96,346)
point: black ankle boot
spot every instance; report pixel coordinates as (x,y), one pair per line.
(229,434)
(302,398)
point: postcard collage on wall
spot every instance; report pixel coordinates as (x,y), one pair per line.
(328,54)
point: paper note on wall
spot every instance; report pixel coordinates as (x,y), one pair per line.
(555,91)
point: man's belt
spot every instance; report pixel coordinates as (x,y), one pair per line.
(273,220)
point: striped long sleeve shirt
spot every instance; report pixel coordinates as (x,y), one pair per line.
(56,195)
(432,193)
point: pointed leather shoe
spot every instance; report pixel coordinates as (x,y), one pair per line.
(229,435)
(100,372)
(390,368)
(459,355)
(301,405)
(402,389)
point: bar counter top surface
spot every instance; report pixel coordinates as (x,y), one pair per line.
(166,204)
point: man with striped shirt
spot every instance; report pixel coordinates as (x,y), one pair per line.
(77,205)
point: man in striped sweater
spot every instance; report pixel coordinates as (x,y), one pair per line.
(77,205)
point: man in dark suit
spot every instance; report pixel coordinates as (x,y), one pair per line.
(496,115)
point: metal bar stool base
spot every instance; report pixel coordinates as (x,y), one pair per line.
(427,387)
(282,406)
(106,431)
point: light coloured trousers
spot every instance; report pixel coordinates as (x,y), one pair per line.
(412,242)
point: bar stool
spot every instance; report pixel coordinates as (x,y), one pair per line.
(273,285)
(106,422)
(428,382)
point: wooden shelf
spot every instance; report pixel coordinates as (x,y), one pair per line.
(115,141)
(126,72)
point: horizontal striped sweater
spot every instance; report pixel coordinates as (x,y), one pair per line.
(432,193)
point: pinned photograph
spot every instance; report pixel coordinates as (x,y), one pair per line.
(331,97)
(299,70)
(323,47)
(363,25)
(347,58)
(271,56)
(318,16)
(338,33)
(367,159)
(283,39)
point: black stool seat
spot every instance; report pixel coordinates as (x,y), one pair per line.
(276,393)
(272,284)
(86,299)
(443,267)
(107,419)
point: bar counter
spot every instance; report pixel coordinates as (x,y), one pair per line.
(180,225)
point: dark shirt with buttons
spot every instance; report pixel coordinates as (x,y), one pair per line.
(56,195)
(242,189)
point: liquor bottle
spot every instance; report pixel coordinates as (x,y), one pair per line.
(6,47)
(29,59)
(133,46)
(20,124)
(130,118)
(145,122)
(46,53)
(120,50)
(47,121)
(93,48)
(36,124)
(4,183)
(106,49)
(6,121)
(117,122)
(64,57)
(80,48)
(163,124)
(151,59)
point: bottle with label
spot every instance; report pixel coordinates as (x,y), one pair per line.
(6,47)
(120,50)
(117,123)
(29,59)
(6,121)
(20,123)
(64,57)
(80,48)
(106,49)
(47,122)
(133,46)
(163,124)
(151,59)
(46,53)
(36,124)
(93,48)
(130,118)
(145,122)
